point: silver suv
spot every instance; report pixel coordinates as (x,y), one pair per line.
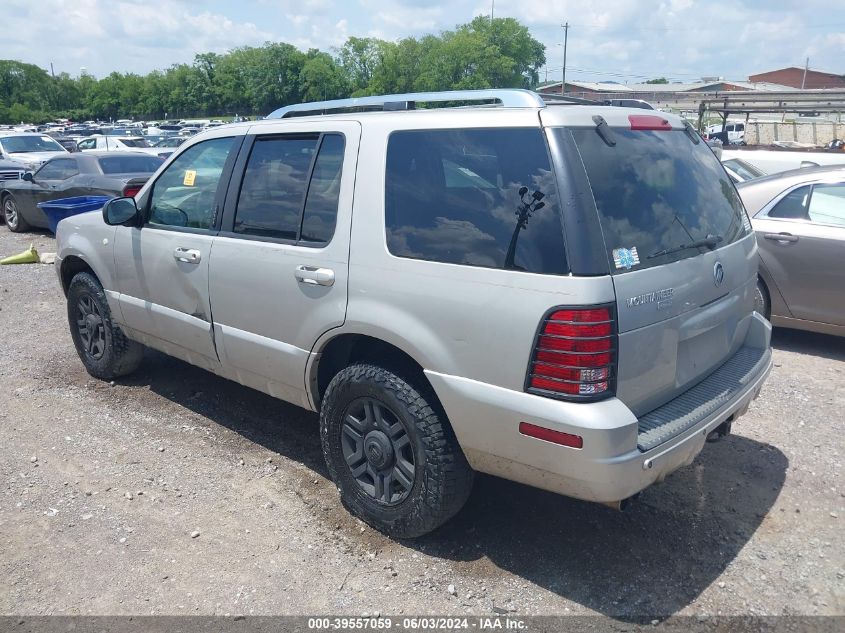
(556,293)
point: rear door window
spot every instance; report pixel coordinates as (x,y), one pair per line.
(656,193)
(290,188)
(477,197)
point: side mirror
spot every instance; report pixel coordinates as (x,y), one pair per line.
(120,212)
(28,176)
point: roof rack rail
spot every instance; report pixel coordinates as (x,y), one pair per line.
(506,98)
(551,98)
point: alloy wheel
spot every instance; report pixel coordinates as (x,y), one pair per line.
(378,451)
(91,327)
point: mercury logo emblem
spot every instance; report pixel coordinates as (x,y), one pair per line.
(718,274)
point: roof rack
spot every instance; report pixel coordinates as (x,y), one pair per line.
(551,98)
(506,98)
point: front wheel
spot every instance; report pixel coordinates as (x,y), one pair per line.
(13,218)
(391,452)
(102,346)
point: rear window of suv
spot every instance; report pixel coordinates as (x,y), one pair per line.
(656,192)
(478,197)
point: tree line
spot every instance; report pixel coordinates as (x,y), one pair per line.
(484,53)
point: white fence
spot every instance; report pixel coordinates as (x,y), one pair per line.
(815,132)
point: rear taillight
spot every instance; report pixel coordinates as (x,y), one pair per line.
(130,190)
(574,355)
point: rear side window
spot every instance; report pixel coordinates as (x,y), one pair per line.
(657,192)
(280,172)
(478,197)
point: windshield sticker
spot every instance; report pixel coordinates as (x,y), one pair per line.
(191,175)
(626,258)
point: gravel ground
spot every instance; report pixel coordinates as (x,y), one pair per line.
(176,492)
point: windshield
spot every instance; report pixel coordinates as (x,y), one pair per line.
(744,170)
(659,196)
(14,144)
(130,164)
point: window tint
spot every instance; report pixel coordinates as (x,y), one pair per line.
(184,195)
(454,196)
(793,205)
(321,205)
(273,188)
(130,164)
(827,204)
(657,191)
(61,169)
(89,143)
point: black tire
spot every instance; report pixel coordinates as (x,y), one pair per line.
(762,304)
(12,215)
(102,346)
(442,478)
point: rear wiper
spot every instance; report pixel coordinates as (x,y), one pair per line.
(710,242)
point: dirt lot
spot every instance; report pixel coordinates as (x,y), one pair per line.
(104,488)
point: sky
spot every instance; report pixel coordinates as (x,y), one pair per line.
(619,40)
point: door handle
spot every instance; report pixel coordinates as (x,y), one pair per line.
(783,238)
(314,276)
(187,255)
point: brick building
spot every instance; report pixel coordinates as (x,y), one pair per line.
(794,76)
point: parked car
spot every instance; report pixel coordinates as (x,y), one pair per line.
(111,173)
(68,143)
(29,149)
(799,219)
(11,170)
(103,142)
(732,133)
(780,160)
(405,273)
(170,142)
(740,170)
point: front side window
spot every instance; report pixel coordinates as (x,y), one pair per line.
(185,193)
(61,169)
(827,204)
(478,197)
(89,143)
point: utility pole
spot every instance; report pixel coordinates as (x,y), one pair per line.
(492,10)
(565,39)
(804,78)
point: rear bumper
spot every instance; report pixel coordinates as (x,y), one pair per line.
(610,466)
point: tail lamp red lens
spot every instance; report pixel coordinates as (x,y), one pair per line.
(549,435)
(130,190)
(574,356)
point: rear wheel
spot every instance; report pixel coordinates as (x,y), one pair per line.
(391,452)
(14,220)
(102,346)
(761,299)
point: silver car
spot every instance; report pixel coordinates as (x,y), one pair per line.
(558,294)
(799,219)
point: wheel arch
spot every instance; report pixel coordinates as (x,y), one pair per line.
(71,266)
(347,348)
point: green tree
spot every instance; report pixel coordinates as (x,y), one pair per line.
(659,80)
(321,78)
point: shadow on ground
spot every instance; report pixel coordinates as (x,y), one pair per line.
(800,342)
(648,562)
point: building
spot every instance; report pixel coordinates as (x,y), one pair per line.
(794,77)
